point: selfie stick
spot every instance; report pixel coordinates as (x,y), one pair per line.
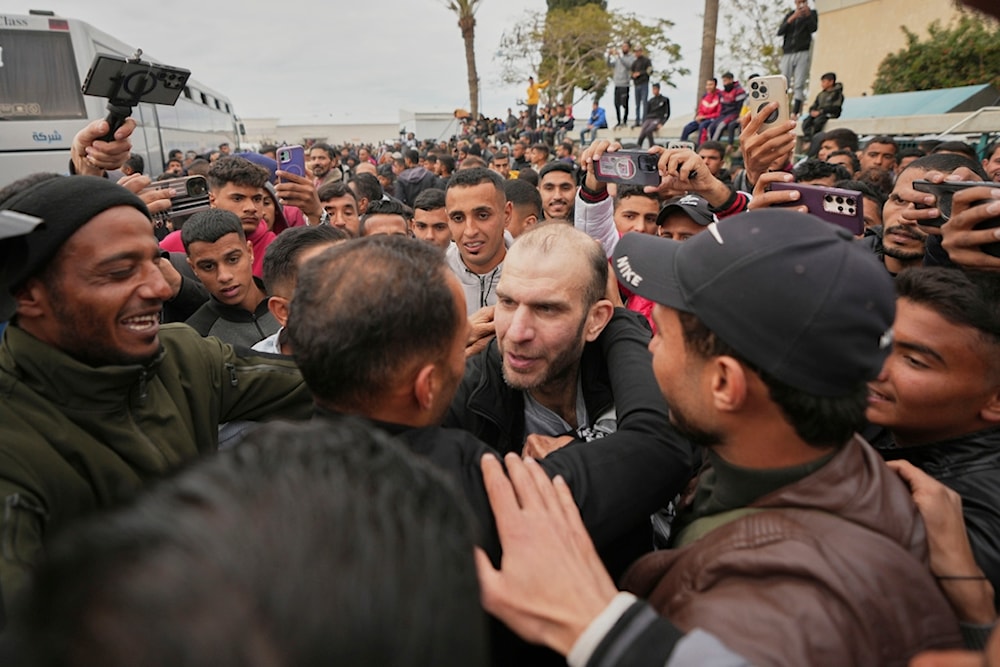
(119,113)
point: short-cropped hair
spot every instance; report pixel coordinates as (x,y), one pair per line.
(282,255)
(467,178)
(352,354)
(308,544)
(429,200)
(522,193)
(209,226)
(335,190)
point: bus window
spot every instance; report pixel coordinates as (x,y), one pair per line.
(39,79)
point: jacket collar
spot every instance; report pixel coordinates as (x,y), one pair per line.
(63,380)
(850,485)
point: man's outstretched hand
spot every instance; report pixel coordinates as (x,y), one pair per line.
(551,583)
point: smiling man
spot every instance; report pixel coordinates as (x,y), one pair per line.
(557,184)
(222,259)
(478,213)
(99,398)
(937,398)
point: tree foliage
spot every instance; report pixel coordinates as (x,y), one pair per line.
(753,45)
(571,4)
(964,53)
(569,47)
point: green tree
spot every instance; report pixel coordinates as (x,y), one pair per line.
(571,4)
(569,48)
(753,45)
(466,12)
(964,53)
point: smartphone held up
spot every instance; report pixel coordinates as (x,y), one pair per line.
(629,167)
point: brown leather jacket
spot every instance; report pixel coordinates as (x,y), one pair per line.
(831,572)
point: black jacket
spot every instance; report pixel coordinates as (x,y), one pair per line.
(490,409)
(615,485)
(658,107)
(830,102)
(233,324)
(644,66)
(412,182)
(969,465)
(798,33)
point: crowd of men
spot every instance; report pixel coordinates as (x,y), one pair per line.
(519,414)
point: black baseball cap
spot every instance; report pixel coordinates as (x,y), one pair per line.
(795,296)
(693,206)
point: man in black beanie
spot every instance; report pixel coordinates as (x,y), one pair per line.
(98,397)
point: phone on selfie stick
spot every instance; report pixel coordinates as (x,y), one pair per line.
(127,82)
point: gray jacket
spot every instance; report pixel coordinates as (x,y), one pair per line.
(622,75)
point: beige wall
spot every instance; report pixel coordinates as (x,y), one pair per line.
(855,35)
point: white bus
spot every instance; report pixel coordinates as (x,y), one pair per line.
(44,60)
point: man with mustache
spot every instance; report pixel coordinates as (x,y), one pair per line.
(900,242)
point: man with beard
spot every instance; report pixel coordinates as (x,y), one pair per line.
(543,381)
(404,382)
(323,165)
(798,545)
(99,399)
(557,185)
(900,242)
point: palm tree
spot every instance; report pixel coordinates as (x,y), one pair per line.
(707,66)
(466,11)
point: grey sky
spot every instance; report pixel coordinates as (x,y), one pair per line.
(345,62)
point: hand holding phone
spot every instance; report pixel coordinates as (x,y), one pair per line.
(844,208)
(764,90)
(292,159)
(628,167)
(944,191)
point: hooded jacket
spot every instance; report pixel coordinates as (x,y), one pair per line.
(830,102)
(75,438)
(412,182)
(479,290)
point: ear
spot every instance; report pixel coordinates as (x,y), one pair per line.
(508,211)
(598,318)
(211,199)
(32,299)
(425,386)
(278,305)
(250,250)
(991,411)
(729,384)
(530,221)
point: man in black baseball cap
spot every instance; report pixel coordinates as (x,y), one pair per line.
(684,216)
(797,541)
(98,397)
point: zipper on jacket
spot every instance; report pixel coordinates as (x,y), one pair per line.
(11,527)
(143,393)
(233,380)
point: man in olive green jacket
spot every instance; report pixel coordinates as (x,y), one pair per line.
(96,398)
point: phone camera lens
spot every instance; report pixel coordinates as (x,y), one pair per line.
(827,198)
(763,90)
